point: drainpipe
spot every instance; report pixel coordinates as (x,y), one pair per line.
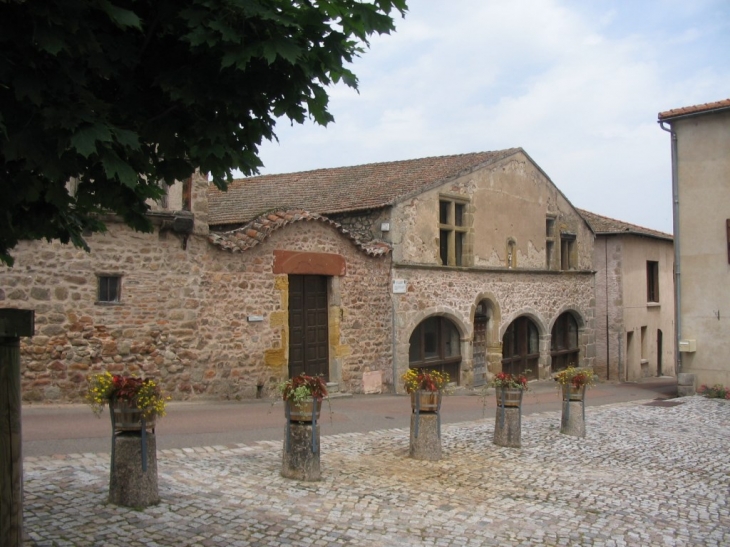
(608,341)
(677,272)
(392,323)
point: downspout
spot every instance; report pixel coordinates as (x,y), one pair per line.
(608,341)
(677,272)
(392,324)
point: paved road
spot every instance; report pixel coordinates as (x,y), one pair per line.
(647,474)
(67,429)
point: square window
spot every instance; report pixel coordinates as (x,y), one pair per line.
(110,288)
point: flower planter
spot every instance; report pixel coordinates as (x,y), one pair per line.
(509,397)
(303,411)
(426,401)
(127,417)
(572,393)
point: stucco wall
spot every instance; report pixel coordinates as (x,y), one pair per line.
(703,152)
(509,200)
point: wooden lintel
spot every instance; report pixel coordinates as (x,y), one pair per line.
(15,323)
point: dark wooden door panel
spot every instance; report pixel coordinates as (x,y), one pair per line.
(308,321)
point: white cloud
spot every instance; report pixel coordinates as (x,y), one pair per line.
(578,88)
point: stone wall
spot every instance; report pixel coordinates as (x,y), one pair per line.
(183,315)
(455,294)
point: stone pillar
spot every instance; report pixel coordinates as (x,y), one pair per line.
(301,452)
(129,484)
(425,436)
(573,420)
(508,426)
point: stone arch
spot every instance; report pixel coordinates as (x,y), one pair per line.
(582,341)
(543,360)
(456,369)
(486,344)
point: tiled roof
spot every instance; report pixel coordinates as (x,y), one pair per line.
(697,109)
(340,189)
(258,230)
(606,225)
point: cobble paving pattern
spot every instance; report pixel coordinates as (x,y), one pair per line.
(643,476)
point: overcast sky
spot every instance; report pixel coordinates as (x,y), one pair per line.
(576,83)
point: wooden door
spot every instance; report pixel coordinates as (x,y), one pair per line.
(308,321)
(480,349)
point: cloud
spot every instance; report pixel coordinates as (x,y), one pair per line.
(578,87)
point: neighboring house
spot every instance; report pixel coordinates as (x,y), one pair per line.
(634,300)
(471,263)
(701,184)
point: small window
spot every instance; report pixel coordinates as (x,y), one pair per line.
(567,251)
(110,288)
(652,281)
(459,214)
(444,207)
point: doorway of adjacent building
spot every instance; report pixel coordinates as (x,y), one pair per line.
(659,371)
(521,348)
(480,344)
(308,326)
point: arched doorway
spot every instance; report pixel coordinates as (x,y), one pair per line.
(564,348)
(521,348)
(435,344)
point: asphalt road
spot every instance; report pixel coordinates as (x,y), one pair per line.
(49,429)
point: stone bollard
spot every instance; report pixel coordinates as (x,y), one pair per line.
(508,426)
(686,384)
(129,484)
(425,436)
(573,421)
(301,452)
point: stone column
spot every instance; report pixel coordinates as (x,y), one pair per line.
(686,384)
(573,420)
(425,436)
(301,452)
(508,426)
(129,484)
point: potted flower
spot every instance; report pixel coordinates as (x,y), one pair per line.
(509,388)
(134,402)
(426,388)
(303,396)
(573,382)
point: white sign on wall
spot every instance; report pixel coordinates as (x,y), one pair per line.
(400,286)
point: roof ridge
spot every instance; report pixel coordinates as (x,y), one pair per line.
(628,225)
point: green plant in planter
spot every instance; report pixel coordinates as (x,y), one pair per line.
(302,388)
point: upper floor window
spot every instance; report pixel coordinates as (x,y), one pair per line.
(511,253)
(568,260)
(652,281)
(453,232)
(109,288)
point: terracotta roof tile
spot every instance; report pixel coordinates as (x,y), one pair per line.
(605,225)
(259,229)
(341,189)
(697,109)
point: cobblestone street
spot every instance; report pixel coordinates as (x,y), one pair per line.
(645,475)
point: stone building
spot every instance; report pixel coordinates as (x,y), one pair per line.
(634,300)
(471,263)
(700,144)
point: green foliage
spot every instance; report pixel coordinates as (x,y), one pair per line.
(717,391)
(120,95)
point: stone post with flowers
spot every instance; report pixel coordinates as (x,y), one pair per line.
(302,397)
(508,421)
(573,383)
(426,388)
(134,406)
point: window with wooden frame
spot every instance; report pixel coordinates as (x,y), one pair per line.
(521,348)
(564,348)
(435,344)
(453,231)
(109,288)
(652,281)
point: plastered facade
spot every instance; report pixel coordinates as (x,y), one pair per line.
(703,168)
